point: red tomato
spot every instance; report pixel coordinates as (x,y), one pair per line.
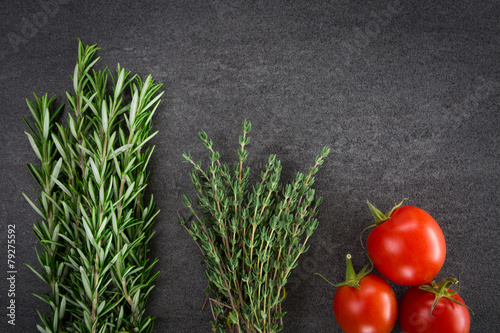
(407,246)
(372,308)
(447,316)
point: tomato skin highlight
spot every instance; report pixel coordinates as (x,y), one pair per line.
(408,248)
(372,308)
(447,317)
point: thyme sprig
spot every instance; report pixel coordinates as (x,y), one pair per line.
(251,238)
(96,223)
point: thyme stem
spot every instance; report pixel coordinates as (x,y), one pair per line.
(250,239)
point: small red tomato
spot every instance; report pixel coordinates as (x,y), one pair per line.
(433,308)
(407,246)
(365,303)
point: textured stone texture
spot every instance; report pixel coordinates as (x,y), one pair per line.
(405,93)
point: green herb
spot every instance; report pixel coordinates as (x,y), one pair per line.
(251,238)
(96,222)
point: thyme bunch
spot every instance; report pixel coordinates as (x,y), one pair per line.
(96,220)
(250,237)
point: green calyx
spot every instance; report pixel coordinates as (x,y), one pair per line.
(351,278)
(379,216)
(442,290)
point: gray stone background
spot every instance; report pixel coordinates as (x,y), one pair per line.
(405,93)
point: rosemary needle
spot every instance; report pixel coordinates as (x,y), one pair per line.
(96,221)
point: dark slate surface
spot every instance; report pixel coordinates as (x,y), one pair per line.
(405,93)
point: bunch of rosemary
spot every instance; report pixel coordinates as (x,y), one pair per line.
(96,222)
(251,238)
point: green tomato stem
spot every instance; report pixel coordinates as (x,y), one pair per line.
(442,290)
(351,278)
(379,217)
(376,213)
(350,274)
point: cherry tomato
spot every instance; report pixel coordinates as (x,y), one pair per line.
(447,316)
(370,309)
(407,246)
(365,303)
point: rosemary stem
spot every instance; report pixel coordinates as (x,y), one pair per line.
(96,226)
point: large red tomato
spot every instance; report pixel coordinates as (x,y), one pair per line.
(364,303)
(447,315)
(407,246)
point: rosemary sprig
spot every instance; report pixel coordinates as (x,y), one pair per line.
(96,223)
(251,238)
